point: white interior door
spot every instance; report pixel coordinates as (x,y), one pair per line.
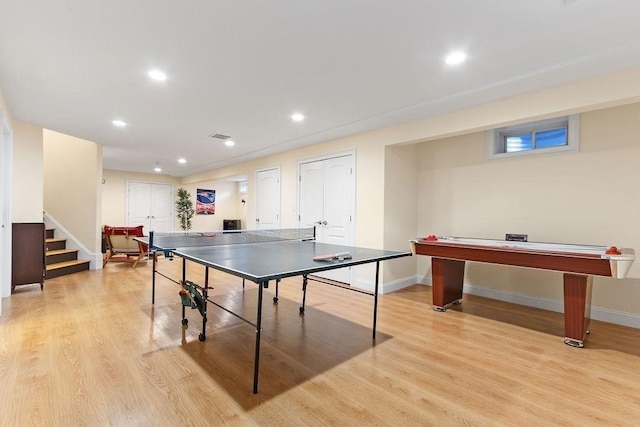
(327,201)
(150,205)
(311,195)
(139,205)
(268,198)
(339,200)
(161,207)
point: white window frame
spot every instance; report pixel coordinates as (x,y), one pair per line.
(243,186)
(496,148)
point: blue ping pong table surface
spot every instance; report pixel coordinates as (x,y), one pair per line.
(260,262)
(266,260)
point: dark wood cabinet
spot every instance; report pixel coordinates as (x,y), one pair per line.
(28,254)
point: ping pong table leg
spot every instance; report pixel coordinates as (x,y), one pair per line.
(184,269)
(256,360)
(275,299)
(205,295)
(375,300)
(304,292)
(185,321)
(154,254)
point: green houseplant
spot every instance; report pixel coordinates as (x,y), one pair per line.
(184,208)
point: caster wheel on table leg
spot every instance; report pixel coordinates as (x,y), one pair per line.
(301,310)
(275,300)
(202,337)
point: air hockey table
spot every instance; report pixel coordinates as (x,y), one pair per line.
(579,263)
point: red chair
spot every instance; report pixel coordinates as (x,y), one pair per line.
(121,246)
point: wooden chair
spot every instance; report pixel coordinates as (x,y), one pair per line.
(121,246)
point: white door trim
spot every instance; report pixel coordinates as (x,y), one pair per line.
(329,156)
(6,167)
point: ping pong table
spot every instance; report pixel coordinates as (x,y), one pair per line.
(260,256)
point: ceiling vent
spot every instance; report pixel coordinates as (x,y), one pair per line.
(219,136)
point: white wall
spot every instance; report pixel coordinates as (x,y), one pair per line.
(114,193)
(400,211)
(72,186)
(376,170)
(26,184)
(617,88)
(27,181)
(374,173)
(228,198)
(369,192)
(228,205)
(586,197)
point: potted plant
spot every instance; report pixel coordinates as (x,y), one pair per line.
(184,208)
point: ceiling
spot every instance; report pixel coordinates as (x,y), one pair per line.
(242,68)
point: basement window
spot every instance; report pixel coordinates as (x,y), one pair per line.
(540,137)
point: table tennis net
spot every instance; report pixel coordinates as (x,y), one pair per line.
(219,238)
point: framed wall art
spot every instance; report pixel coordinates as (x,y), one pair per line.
(205,202)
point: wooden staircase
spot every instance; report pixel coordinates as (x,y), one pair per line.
(60,260)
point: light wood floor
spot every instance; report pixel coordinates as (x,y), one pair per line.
(92,350)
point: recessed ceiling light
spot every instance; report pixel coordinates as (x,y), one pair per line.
(455,58)
(297,117)
(229,143)
(182,161)
(157,75)
(119,123)
(157,169)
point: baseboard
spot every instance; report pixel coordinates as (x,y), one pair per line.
(616,317)
(396,285)
(96,261)
(384,288)
(597,313)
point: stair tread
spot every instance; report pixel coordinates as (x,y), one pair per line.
(66,264)
(60,251)
(55,239)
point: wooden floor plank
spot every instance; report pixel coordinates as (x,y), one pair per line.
(91,349)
